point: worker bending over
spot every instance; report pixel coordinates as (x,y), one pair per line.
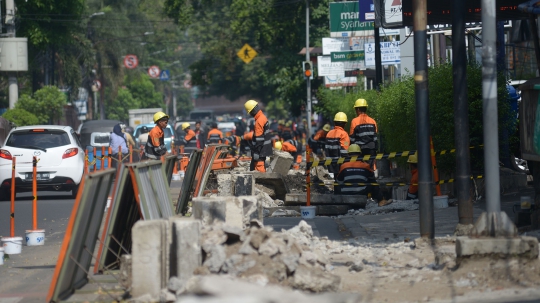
(261,146)
(234,144)
(189,141)
(361,177)
(318,140)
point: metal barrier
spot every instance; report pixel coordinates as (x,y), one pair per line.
(121,216)
(189,178)
(210,153)
(170,162)
(75,256)
(154,195)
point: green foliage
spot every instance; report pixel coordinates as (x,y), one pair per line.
(183,102)
(276,109)
(143,91)
(20,117)
(124,101)
(47,104)
(394,109)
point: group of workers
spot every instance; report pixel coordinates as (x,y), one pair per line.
(335,143)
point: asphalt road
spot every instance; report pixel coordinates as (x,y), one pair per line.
(26,277)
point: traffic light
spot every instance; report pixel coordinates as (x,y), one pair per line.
(307,66)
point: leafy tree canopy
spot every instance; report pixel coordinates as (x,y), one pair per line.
(20,117)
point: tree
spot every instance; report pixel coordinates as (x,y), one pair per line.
(143,90)
(123,102)
(47,104)
(20,117)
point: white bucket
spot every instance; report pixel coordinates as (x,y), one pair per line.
(12,245)
(35,237)
(440,201)
(1,256)
(176,177)
(308,212)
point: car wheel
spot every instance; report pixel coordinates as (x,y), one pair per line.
(74,191)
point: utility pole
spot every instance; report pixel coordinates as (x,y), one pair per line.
(308,80)
(461,117)
(12,76)
(425,172)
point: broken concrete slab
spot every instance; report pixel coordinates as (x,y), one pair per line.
(524,247)
(235,184)
(321,199)
(281,163)
(272,180)
(234,211)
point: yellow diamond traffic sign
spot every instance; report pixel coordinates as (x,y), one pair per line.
(246,53)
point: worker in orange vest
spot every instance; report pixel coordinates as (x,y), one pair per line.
(412,192)
(215,136)
(337,142)
(364,130)
(261,146)
(317,141)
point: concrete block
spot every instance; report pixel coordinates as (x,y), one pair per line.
(244,185)
(525,247)
(186,253)
(149,257)
(281,163)
(225,185)
(125,271)
(234,211)
(209,209)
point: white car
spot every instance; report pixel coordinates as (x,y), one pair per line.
(227,128)
(60,156)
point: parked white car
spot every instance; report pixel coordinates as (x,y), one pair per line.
(60,155)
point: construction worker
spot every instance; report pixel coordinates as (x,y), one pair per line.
(412,192)
(189,140)
(300,131)
(337,142)
(286,131)
(317,141)
(358,172)
(155,146)
(199,135)
(261,146)
(285,146)
(215,135)
(364,130)
(143,137)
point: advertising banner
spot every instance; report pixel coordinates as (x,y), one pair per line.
(390,53)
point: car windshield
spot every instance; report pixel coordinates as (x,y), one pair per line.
(41,138)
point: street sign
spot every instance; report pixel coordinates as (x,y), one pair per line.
(154,71)
(96,86)
(390,53)
(165,75)
(246,53)
(131,61)
(345,21)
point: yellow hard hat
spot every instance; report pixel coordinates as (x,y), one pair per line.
(326,127)
(250,105)
(340,117)
(281,122)
(160,115)
(412,159)
(360,103)
(185,125)
(354,148)
(289,123)
(277,145)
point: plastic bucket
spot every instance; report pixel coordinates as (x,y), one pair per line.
(12,245)
(35,237)
(308,212)
(1,256)
(440,201)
